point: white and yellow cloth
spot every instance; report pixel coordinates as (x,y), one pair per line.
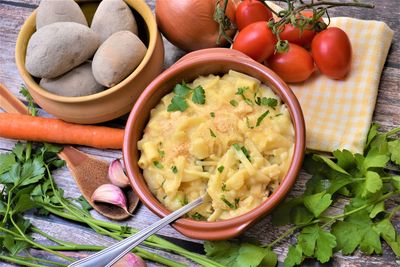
(338,114)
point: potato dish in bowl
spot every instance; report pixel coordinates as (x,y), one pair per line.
(229,136)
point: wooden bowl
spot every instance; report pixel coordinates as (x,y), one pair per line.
(204,62)
(110,103)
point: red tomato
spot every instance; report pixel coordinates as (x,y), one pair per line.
(331,50)
(294,35)
(250,11)
(293,66)
(256,40)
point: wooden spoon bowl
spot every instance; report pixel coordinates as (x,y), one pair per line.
(89,172)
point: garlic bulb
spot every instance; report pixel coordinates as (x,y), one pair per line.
(130,260)
(110,194)
(117,175)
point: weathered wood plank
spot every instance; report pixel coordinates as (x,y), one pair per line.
(12,15)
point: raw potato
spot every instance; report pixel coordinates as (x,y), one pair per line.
(113,16)
(117,57)
(77,82)
(51,11)
(59,47)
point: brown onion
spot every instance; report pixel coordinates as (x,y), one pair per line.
(189,24)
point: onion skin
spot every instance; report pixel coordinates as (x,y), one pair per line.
(189,24)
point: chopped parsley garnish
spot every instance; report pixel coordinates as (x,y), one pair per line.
(229,204)
(243,149)
(184,201)
(182,91)
(279,114)
(178,103)
(157,164)
(223,188)
(241,91)
(212,133)
(161,153)
(198,217)
(199,95)
(261,118)
(212,114)
(248,123)
(237,202)
(236,146)
(164,197)
(221,168)
(174,169)
(266,101)
(233,102)
(246,152)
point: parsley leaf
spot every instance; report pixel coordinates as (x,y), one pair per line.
(294,256)
(394,149)
(158,164)
(233,102)
(261,118)
(212,114)
(182,90)
(229,204)
(178,103)
(198,217)
(212,133)
(174,169)
(199,95)
(232,254)
(318,203)
(241,91)
(270,102)
(221,168)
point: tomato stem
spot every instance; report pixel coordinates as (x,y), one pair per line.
(292,14)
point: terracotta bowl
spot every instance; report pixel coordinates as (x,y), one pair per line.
(113,102)
(204,62)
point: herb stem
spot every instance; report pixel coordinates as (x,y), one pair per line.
(37,244)
(20,262)
(393,131)
(156,258)
(39,260)
(283,236)
(393,212)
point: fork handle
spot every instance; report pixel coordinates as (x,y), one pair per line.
(107,257)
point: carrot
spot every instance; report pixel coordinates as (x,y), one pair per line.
(25,127)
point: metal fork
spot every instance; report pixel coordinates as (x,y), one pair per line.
(107,257)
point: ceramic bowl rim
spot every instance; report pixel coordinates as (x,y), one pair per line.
(240,222)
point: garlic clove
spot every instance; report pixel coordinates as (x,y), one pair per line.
(110,194)
(130,260)
(117,175)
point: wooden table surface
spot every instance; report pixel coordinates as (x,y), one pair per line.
(14,12)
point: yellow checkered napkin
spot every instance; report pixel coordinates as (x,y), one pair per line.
(338,114)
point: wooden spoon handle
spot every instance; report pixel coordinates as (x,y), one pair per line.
(10,103)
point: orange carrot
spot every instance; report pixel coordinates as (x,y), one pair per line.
(25,127)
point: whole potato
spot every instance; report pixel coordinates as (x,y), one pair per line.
(51,11)
(77,82)
(113,16)
(59,47)
(117,57)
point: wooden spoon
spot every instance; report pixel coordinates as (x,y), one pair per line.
(89,172)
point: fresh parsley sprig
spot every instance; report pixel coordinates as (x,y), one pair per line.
(182,92)
(362,180)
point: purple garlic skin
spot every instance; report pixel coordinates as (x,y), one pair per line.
(117,175)
(110,194)
(130,260)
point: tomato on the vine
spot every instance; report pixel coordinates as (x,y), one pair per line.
(331,50)
(250,11)
(295,35)
(295,65)
(256,40)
